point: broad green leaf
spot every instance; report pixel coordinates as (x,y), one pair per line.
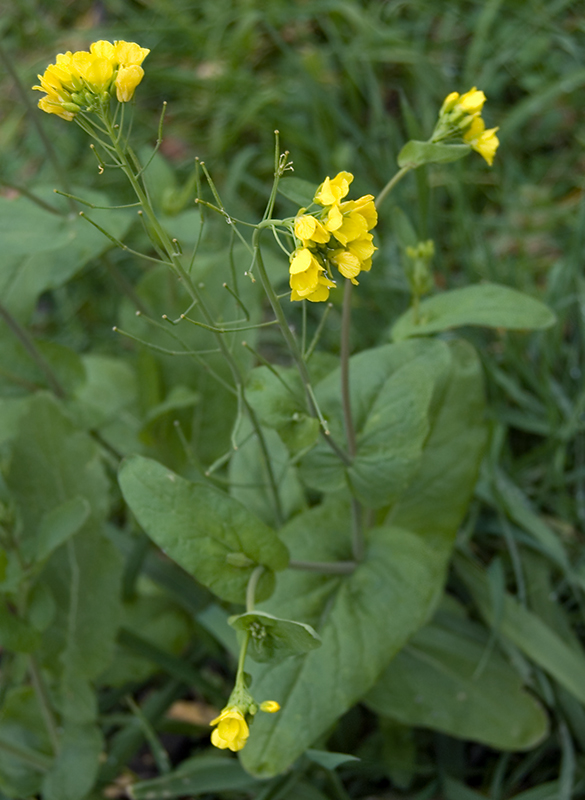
(84,577)
(11,411)
(451,681)
(198,527)
(161,623)
(16,634)
(329,760)
(22,726)
(62,368)
(415,154)
(432,506)
(485,304)
(277,396)
(42,251)
(436,501)
(363,619)
(391,392)
(75,769)
(528,632)
(59,524)
(109,387)
(272,639)
(53,463)
(41,606)
(298,190)
(198,775)
(250,482)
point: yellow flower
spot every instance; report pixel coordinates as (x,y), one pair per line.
(469,103)
(129,54)
(460,119)
(232,729)
(309,229)
(85,80)
(484,142)
(126,82)
(332,190)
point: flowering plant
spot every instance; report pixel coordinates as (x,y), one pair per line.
(320,538)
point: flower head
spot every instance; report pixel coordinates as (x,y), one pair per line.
(460,119)
(232,729)
(338,236)
(484,142)
(85,80)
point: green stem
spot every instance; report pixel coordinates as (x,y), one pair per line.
(176,265)
(43,698)
(252,586)
(324,567)
(391,184)
(240,680)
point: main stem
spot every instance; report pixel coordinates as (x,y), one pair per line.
(176,265)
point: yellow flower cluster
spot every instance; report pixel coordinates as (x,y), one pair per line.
(460,116)
(339,236)
(232,729)
(82,80)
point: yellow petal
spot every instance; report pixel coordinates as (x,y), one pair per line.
(129,54)
(126,82)
(103,49)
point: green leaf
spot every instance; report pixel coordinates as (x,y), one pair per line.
(435,502)
(53,463)
(527,631)
(76,766)
(301,192)
(450,681)
(249,480)
(487,304)
(273,639)
(197,775)
(391,392)
(16,634)
(84,577)
(329,760)
(22,725)
(59,524)
(415,154)
(363,620)
(109,387)
(277,396)
(42,251)
(354,646)
(198,527)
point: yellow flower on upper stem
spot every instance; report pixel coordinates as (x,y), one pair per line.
(232,729)
(84,80)
(333,190)
(485,142)
(470,103)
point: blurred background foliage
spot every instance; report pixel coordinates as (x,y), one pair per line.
(346,84)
